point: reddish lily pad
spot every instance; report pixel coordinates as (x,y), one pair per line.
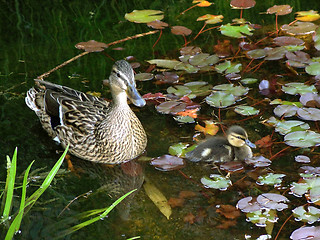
(168,163)
(259,161)
(92,46)
(167,77)
(233,166)
(157,24)
(144,16)
(242,4)
(280,9)
(285,41)
(298,59)
(181,30)
(299,28)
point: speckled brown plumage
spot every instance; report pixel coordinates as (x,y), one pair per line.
(95,130)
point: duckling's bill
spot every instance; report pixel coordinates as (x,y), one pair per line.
(250,144)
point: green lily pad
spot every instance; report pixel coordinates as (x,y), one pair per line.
(275,53)
(285,110)
(236,31)
(316,39)
(292,48)
(144,16)
(230,88)
(313,68)
(261,217)
(257,53)
(203,59)
(280,101)
(299,88)
(311,114)
(271,179)
(248,81)
(184,119)
(310,216)
(179,90)
(216,181)
(302,139)
(284,127)
(228,67)
(299,28)
(180,149)
(307,186)
(220,99)
(164,63)
(198,89)
(246,110)
(186,67)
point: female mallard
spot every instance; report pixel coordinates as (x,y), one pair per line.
(95,130)
(235,146)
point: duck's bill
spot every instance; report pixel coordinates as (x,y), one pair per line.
(135,96)
(250,144)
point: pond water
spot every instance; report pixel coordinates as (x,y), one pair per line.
(37,36)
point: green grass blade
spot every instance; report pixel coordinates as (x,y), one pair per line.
(103,215)
(10,186)
(46,183)
(15,225)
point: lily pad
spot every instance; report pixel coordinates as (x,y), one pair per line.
(157,24)
(262,217)
(186,67)
(168,163)
(275,53)
(258,161)
(171,107)
(285,110)
(92,46)
(298,59)
(236,31)
(190,50)
(184,119)
(248,204)
(272,201)
(302,139)
(280,9)
(220,99)
(302,159)
(310,216)
(181,30)
(257,53)
(310,100)
(203,59)
(228,67)
(144,16)
(284,127)
(313,68)
(179,149)
(246,110)
(232,89)
(210,19)
(242,4)
(303,233)
(216,181)
(143,76)
(164,63)
(299,28)
(286,40)
(316,39)
(298,88)
(248,81)
(311,114)
(307,186)
(271,179)
(307,16)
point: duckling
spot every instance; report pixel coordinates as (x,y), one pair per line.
(235,146)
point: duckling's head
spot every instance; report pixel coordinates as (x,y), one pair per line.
(122,81)
(238,137)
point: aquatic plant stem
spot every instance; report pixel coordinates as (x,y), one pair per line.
(276,237)
(204,25)
(157,39)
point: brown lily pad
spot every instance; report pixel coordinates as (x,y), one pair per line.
(242,4)
(280,9)
(285,41)
(157,24)
(299,28)
(168,163)
(181,30)
(91,46)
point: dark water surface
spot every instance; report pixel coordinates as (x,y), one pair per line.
(38,35)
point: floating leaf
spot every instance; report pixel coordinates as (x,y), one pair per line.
(172,107)
(190,50)
(302,139)
(310,216)
(311,114)
(242,4)
(246,110)
(298,59)
(167,77)
(285,41)
(248,204)
(307,16)
(307,186)
(272,201)
(178,149)
(280,9)
(313,68)
(236,31)
(211,128)
(303,233)
(258,161)
(232,166)
(316,39)
(144,16)
(198,89)
(299,88)
(202,3)
(310,100)
(203,59)
(262,217)
(257,53)
(270,179)
(299,28)
(220,99)
(216,181)
(279,101)
(164,63)
(232,89)
(302,159)
(179,90)
(92,46)
(157,24)
(284,127)
(186,67)
(167,163)
(248,81)
(210,19)
(285,110)
(143,76)
(275,53)
(158,199)
(181,30)
(184,119)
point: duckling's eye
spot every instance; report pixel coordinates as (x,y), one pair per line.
(118,74)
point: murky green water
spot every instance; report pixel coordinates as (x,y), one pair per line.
(38,35)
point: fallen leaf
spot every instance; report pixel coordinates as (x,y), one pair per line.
(91,46)
(189,218)
(187,194)
(264,142)
(228,211)
(158,199)
(176,202)
(210,128)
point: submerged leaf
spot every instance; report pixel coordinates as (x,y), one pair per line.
(158,199)
(92,46)
(168,163)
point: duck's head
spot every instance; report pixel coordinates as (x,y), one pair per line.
(238,137)
(121,81)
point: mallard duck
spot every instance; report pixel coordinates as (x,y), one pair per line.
(235,146)
(95,129)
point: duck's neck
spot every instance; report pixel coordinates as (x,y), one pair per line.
(120,100)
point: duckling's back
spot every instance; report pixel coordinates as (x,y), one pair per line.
(215,149)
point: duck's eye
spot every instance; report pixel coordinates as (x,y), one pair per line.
(118,74)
